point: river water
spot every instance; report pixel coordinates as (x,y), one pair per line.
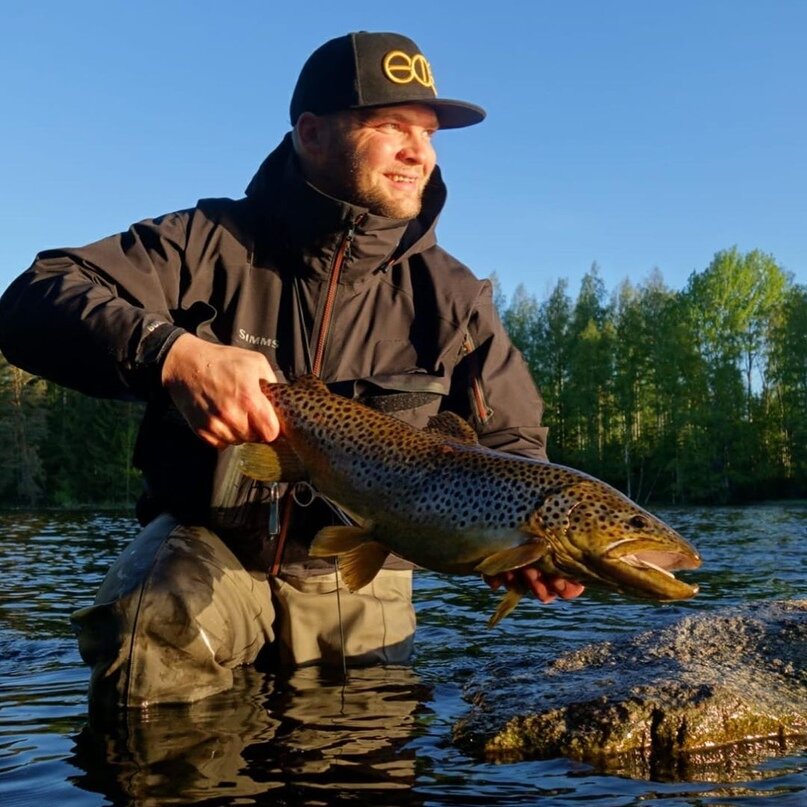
(383,737)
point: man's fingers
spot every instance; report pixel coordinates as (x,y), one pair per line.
(211,438)
(217,388)
(257,425)
(538,586)
(549,587)
(263,423)
(496,581)
(545,588)
(571,590)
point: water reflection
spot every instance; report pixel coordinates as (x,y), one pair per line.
(310,738)
(383,739)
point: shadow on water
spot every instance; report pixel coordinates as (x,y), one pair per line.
(382,738)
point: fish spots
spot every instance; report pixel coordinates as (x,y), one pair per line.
(440,492)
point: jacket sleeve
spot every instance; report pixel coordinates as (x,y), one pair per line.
(505,404)
(99,318)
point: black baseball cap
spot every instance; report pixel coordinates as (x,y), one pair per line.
(364,69)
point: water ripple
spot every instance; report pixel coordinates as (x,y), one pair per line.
(383,737)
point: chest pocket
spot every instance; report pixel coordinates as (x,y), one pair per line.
(412,397)
(393,356)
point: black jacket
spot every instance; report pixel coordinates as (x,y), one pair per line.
(411,329)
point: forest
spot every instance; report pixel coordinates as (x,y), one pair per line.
(690,396)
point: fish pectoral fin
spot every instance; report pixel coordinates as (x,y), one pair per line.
(507,604)
(450,424)
(513,558)
(270,462)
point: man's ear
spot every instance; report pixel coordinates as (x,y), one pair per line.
(310,134)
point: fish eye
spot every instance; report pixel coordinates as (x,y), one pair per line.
(639,522)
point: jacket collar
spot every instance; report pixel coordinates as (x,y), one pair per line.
(309,225)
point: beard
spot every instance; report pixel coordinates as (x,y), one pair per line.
(380,205)
(352,183)
(348,178)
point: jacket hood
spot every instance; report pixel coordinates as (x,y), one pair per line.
(313,222)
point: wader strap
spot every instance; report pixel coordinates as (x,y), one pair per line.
(396,401)
(285,519)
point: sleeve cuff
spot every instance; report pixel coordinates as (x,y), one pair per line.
(144,376)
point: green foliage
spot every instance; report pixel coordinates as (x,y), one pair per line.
(691,396)
(787,389)
(61,448)
(22,429)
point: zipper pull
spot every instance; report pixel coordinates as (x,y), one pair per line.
(351,234)
(274,510)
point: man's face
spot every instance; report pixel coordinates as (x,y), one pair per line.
(380,158)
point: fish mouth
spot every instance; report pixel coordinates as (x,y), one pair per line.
(649,572)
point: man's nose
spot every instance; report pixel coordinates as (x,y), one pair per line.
(418,149)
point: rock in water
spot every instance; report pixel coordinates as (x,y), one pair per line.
(702,698)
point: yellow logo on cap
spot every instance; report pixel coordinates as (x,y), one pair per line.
(401,68)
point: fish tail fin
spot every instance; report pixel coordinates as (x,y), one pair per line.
(359,558)
(507,604)
(270,462)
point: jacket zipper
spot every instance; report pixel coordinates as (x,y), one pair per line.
(342,253)
(479,402)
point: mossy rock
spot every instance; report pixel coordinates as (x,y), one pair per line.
(704,697)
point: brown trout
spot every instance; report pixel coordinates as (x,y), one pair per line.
(444,502)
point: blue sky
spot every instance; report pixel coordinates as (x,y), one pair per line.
(634,134)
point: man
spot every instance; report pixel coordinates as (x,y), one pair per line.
(329,265)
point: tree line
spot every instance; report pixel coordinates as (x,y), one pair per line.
(697,395)
(62,448)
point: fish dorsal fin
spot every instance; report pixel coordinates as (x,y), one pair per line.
(513,558)
(270,462)
(450,424)
(360,558)
(506,605)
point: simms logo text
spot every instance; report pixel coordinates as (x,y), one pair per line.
(262,341)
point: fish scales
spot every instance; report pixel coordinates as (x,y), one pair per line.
(404,471)
(449,504)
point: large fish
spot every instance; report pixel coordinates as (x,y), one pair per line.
(442,501)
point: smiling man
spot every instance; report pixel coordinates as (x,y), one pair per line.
(329,265)
(380,159)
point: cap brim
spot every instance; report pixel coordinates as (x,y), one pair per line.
(450,114)
(456,114)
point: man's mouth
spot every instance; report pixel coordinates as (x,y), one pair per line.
(403,179)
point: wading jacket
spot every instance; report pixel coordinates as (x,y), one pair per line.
(371,304)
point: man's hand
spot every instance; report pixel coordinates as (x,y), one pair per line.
(529,578)
(217,389)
